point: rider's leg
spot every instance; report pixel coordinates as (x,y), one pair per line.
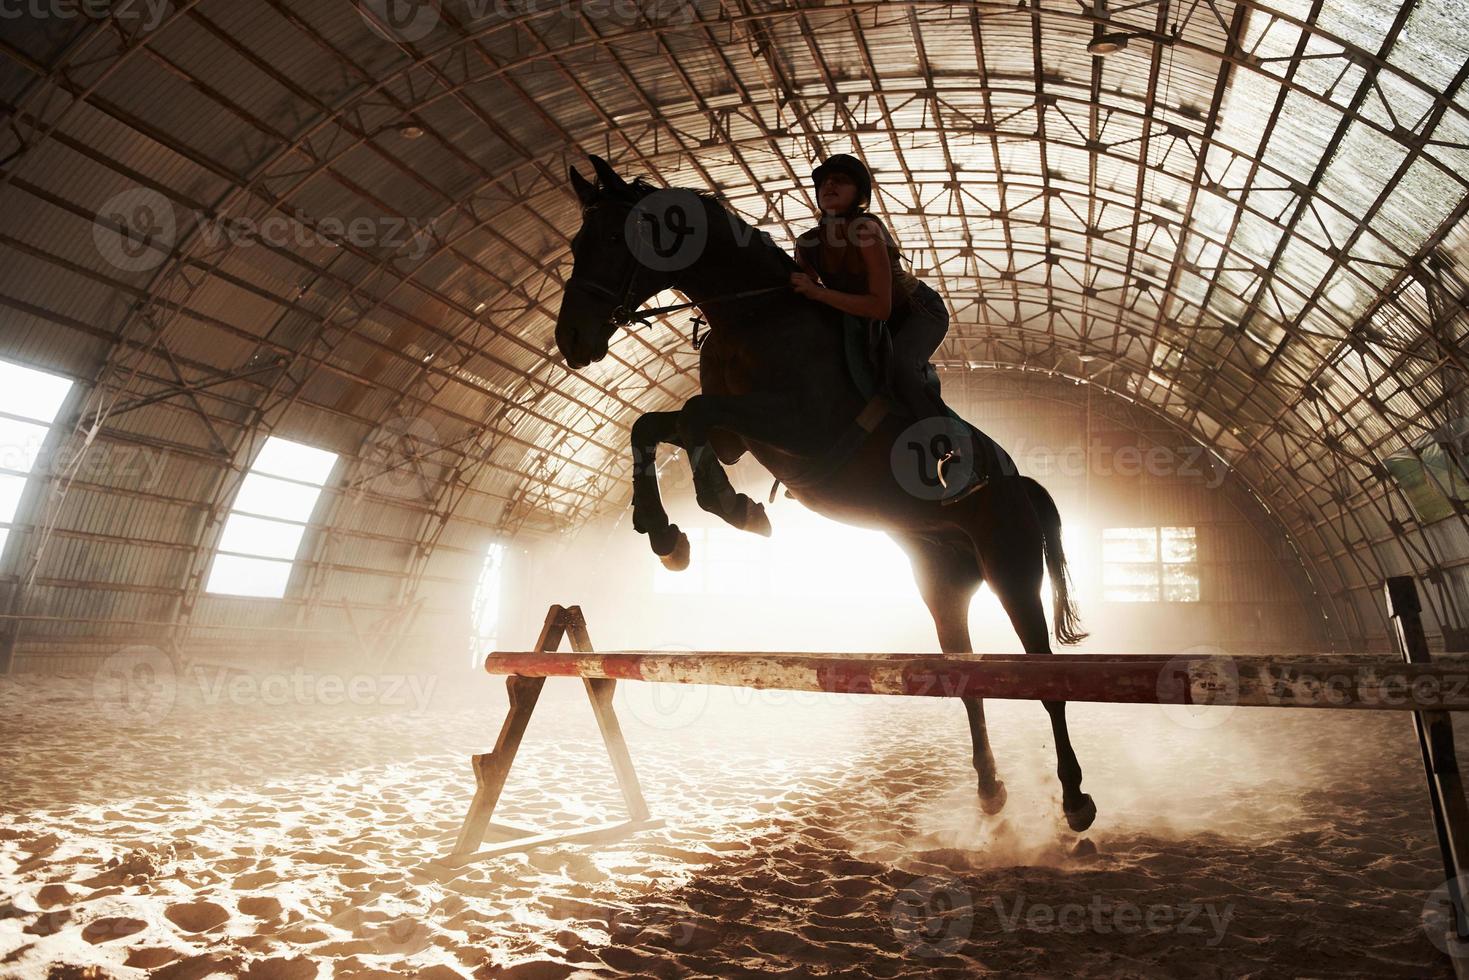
(915,338)
(914,341)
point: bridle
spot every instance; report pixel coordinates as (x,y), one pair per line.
(622,316)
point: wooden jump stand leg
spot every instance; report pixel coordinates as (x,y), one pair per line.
(491,768)
(1441,766)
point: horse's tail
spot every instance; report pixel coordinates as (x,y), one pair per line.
(1068,621)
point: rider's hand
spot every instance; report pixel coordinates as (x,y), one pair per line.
(804,285)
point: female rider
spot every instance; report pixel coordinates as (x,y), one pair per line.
(851,262)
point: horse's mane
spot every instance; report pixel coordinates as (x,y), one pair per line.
(640,187)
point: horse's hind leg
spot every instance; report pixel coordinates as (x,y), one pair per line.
(948,575)
(1012,564)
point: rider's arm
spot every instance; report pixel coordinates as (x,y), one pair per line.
(877,302)
(801,261)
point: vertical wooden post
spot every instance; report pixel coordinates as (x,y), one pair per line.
(1440,764)
(600,690)
(491,768)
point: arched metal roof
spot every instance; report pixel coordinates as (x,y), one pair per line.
(1249,220)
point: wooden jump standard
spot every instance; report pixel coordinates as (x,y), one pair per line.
(1413,683)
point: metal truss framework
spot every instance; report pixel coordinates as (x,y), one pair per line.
(1248,222)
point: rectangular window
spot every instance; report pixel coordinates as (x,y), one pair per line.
(262,535)
(1150,564)
(1432,472)
(30,400)
(486,610)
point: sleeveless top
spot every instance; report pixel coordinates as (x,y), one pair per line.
(832,250)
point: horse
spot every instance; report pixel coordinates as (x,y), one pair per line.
(774,382)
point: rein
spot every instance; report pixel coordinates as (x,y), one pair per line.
(622,318)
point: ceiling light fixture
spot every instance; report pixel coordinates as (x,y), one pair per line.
(410,131)
(1111,43)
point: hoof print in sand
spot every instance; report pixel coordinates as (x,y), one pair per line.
(49,923)
(198,967)
(260,906)
(282,968)
(197,916)
(111,927)
(55,894)
(151,957)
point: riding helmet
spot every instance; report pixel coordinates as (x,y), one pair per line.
(847,164)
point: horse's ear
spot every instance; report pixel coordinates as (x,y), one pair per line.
(610,181)
(586,191)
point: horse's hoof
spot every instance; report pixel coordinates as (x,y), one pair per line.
(1081,818)
(677,559)
(755,520)
(993,801)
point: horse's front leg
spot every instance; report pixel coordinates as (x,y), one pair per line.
(648,516)
(712,489)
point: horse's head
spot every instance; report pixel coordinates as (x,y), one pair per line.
(610,279)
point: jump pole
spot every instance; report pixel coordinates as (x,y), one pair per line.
(1415,683)
(1320,681)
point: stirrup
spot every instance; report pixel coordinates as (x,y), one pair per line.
(943,461)
(976,482)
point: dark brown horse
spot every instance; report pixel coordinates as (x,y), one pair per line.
(775,382)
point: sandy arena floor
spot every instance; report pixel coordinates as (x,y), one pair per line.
(231,833)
